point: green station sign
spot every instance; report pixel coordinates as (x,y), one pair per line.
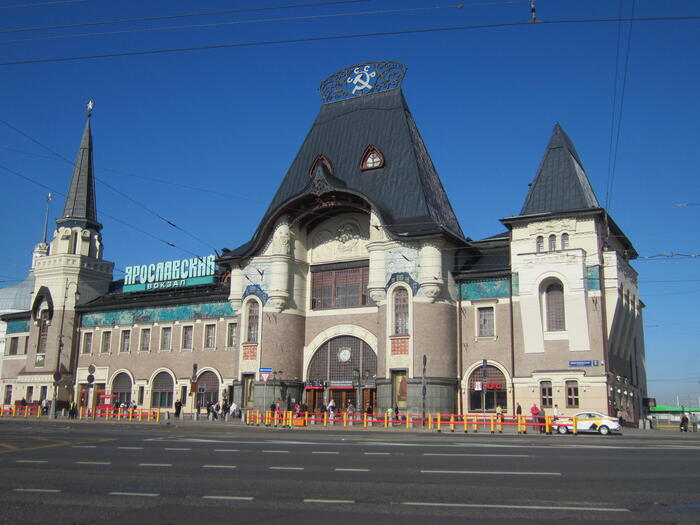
(170,274)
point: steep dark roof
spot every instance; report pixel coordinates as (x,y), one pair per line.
(561,183)
(406,192)
(80,202)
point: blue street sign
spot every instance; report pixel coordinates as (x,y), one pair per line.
(580,363)
(265,370)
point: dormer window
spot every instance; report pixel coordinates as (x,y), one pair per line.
(326,164)
(372,159)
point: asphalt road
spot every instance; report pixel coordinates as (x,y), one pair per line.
(57,472)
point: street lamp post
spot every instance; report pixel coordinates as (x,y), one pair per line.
(57,374)
(358,406)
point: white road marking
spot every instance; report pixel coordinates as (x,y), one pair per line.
(178,449)
(377,453)
(31,461)
(219,466)
(36,490)
(226,450)
(286,468)
(519,507)
(311,500)
(155,464)
(275,451)
(130,448)
(325,452)
(352,470)
(491,473)
(142,494)
(84,446)
(478,455)
(233,498)
(93,463)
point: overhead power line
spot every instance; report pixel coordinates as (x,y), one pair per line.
(343,37)
(42,4)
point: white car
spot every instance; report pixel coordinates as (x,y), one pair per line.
(587,422)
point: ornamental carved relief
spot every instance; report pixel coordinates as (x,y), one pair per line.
(554,226)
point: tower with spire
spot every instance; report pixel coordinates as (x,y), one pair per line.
(71,273)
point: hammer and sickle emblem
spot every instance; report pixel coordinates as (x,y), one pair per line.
(361,79)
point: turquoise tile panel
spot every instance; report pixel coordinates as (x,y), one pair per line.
(181,312)
(485,289)
(593,277)
(17,327)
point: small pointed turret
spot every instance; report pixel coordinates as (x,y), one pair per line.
(561,183)
(80,206)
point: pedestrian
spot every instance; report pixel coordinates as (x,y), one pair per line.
(44,406)
(684,423)
(23,403)
(215,411)
(555,412)
(535,413)
(369,410)
(499,414)
(72,412)
(541,417)
(351,411)
(233,410)
(178,408)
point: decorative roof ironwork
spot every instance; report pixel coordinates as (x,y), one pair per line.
(362,79)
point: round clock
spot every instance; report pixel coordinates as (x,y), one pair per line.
(344,355)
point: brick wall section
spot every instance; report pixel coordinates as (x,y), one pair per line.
(399,346)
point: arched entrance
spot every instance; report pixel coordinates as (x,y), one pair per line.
(121,387)
(207,388)
(487,389)
(343,365)
(162,391)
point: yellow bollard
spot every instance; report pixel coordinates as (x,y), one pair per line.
(493,426)
(158,416)
(325,419)
(430,422)
(439,422)
(140,414)
(38,411)
(14,410)
(345,419)
(408,421)
(386,420)
(131,414)
(575,426)
(523,424)
(26,408)
(364,420)
(81,412)
(306,418)
(500,424)
(452,423)
(548,424)
(475,423)
(465,417)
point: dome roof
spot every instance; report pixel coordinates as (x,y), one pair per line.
(18,297)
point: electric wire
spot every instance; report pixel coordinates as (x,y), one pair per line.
(42,4)
(614,101)
(348,36)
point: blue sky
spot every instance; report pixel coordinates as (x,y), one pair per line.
(203,138)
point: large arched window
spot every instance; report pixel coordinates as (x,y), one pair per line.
(162,391)
(400,311)
(121,387)
(554,306)
(341,358)
(253,321)
(207,388)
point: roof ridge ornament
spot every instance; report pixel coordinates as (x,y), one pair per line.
(88,107)
(362,79)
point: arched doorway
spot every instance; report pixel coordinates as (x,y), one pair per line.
(342,365)
(487,389)
(162,391)
(121,387)
(207,388)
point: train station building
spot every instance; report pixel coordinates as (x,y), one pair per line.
(358,285)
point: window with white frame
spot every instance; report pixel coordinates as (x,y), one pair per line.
(554,306)
(210,336)
(125,345)
(87,343)
(572,394)
(106,342)
(14,346)
(400,311)
(552,243)
(166,338)
(145,339)
(253,321)
(564,241)
(539,244)
(43,332)
(187,337)
(486,321)
(232,335)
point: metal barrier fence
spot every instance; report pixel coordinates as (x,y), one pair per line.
(106,414)
(453,422)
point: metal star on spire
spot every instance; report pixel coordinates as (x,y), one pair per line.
(89,106)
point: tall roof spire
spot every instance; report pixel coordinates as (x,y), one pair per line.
(561,183)
(80,203)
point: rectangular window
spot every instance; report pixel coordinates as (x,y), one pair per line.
(145,339)
(14,345)
(126,341)
(87,343)
(187,332)
(26,345)
(42,393)
(210,336)
(166,337)
(346,288)
(8,395)
(106,342)
(400,387)
(141,395)
(232,335)
(486,324)
(546,394)
(43,332)
(30,394)
(572,394)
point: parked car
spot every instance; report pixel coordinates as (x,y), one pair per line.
(587,422)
